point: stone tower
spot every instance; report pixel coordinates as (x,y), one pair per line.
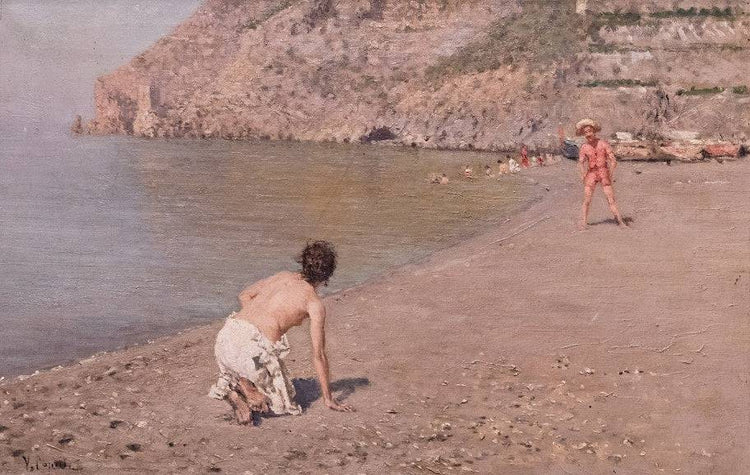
(148,97)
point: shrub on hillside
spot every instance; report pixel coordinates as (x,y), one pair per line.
(700,91)
(694,12)
(543,33)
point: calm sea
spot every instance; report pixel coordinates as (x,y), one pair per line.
(108,241)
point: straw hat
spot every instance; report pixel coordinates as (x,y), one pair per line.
(585,123)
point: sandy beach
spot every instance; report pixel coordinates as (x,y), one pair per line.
(531,348)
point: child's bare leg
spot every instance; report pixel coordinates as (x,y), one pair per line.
(257,401)
(588,192)
(241,409)
(609,192)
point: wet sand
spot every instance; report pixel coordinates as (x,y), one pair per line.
(532,348)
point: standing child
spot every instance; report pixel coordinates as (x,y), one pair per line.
(596,163)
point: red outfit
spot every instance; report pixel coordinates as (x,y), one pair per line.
(597,157)
(525,157)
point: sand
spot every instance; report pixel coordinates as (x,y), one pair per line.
(531,348)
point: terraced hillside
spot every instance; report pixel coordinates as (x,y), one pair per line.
(485,74)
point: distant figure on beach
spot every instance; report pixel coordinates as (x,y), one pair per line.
(513,165)
(252,345)
(540,160)
(441,179)
(502,167)
(525,156)
(488,171)
(468,172)
(596,163)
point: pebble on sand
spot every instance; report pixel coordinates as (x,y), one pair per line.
(134,447)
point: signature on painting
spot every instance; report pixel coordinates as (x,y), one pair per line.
(35,464)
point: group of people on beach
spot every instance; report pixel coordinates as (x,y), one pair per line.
(510,166)
(251,347)
(507,166)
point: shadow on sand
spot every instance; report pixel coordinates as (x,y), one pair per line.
(628,220)
(308,389)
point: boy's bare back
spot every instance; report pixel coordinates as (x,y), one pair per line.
(278,303)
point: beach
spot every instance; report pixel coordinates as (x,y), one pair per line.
(529,348)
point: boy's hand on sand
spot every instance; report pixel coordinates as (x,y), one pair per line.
(332,404)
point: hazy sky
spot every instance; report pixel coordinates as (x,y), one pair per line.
(51,51)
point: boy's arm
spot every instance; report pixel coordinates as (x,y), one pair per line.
(317,312)
(581,166)
(611,159)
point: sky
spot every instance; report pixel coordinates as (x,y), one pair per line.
(52,51)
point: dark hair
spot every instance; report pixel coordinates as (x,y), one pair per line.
(318,261)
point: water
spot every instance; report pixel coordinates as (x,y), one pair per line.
(107,241)
(51,53)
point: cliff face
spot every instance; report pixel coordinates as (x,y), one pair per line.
(484,74)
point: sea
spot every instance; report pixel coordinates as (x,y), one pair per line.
(107,242)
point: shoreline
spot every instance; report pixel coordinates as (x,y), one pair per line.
(147,312)
(638,150)
(598,386)
(178,332)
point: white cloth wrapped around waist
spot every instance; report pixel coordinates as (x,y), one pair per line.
(242,351)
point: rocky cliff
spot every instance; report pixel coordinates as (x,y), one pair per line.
(485,74)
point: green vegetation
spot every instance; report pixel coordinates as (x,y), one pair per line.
(542,33)
(731,47)
(546,32)
(609,48)
(614,48)
(694,12)
(702,91)
(612,20)
(618,18)
(618,83)
(705,91)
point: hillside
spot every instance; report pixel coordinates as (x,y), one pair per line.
(483,74)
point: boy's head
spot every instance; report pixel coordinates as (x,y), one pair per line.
(318,261)
(587,128)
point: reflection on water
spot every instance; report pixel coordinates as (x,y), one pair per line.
(108,241)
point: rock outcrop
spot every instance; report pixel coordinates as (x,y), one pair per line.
(482,74)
